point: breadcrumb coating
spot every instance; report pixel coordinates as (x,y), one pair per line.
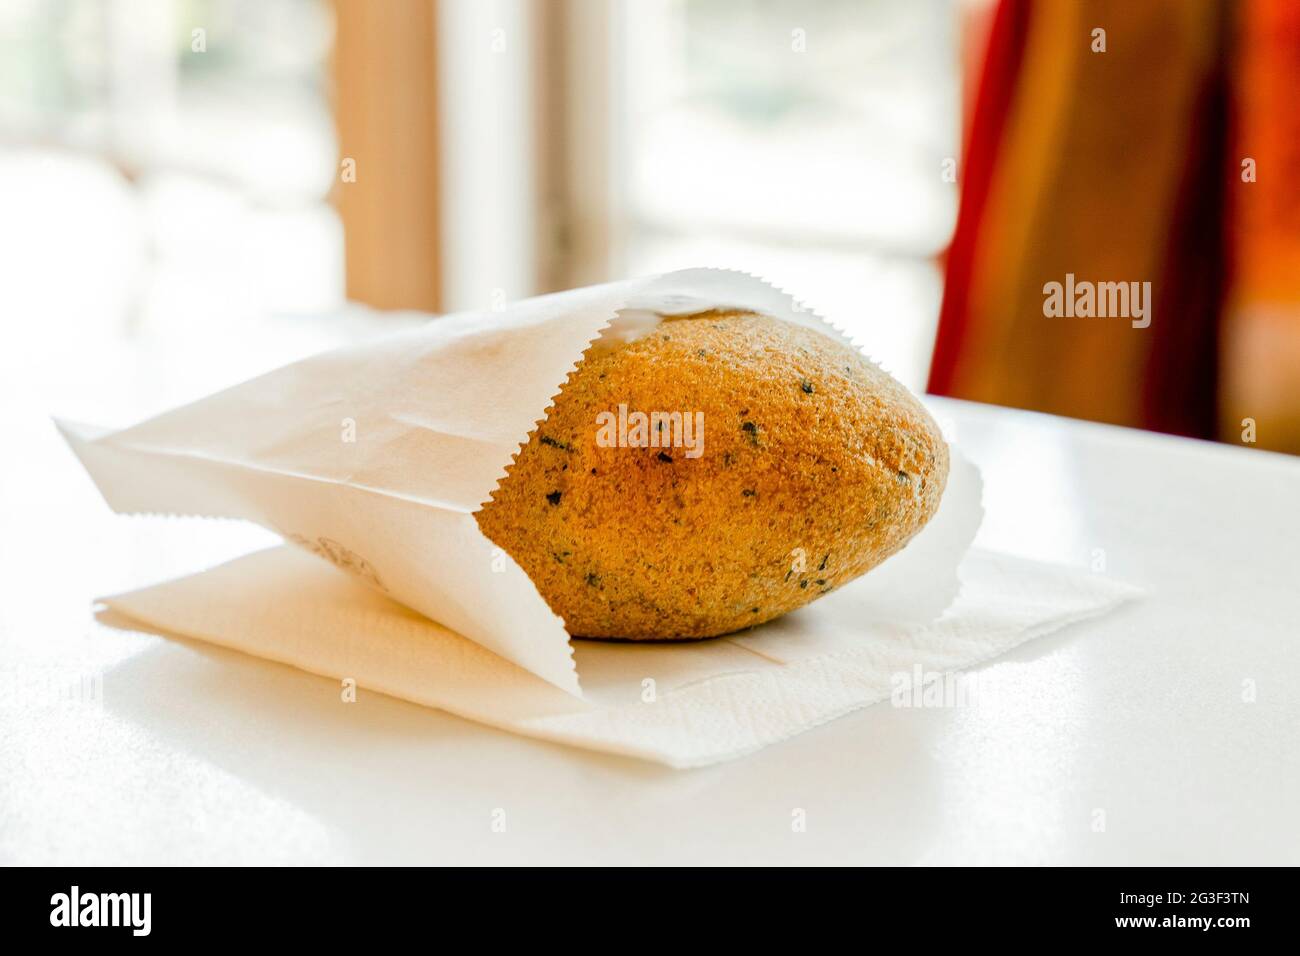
(815,466)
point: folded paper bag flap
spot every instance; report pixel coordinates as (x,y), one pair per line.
(431,559)
(292,609)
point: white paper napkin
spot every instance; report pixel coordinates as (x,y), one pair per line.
(684,705)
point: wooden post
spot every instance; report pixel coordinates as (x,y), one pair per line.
(385,107)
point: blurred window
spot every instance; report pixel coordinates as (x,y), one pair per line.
(174,156)
(177,156)
(805,141)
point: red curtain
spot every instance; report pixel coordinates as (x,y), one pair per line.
(1137,160)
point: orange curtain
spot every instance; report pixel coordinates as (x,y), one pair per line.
(1103,174)
(1261,332)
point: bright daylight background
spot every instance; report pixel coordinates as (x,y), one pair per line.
(149,192)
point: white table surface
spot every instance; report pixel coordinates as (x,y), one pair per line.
(193,754)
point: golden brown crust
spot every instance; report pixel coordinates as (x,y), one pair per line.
(816,466)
